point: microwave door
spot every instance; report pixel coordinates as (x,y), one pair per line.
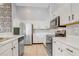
(53,24)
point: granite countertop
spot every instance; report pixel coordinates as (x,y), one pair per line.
(5,40)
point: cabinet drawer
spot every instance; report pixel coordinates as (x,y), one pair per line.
(72,50)
(5,47)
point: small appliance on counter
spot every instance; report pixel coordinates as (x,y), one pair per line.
(16,31)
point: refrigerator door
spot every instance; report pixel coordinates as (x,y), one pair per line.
(28,39)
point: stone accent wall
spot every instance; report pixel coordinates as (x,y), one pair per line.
(5,18)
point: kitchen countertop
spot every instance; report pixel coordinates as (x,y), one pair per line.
(72,41)
(9,39)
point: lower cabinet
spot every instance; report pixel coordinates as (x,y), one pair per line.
(60,49)
(6,50)
(57,51)
(7,53)
(9,49)
(15,48)
(39,38)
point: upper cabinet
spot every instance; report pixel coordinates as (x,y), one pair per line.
(75,12)
(65,14)
(54,8)
(69,13)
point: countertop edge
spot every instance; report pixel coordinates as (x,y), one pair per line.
(10,40)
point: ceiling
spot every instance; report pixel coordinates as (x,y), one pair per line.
(44,5)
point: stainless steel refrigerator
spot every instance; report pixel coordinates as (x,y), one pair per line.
(27,31)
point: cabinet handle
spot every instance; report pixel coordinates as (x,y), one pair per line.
(58,48)
(69,18)
(11,48)
(72,16)
(61,50)
(14,46)
(69,50)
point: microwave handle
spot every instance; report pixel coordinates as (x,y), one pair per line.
(72,16)
(69,18)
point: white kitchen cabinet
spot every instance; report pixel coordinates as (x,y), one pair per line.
(65,53)
(39,37)
(6,50)
(69,13)
(53,9)
(75,12)
(15,48)
(36,38)
(56,49)
(71,50)
(9,49)
(63,11)
(59,49)
(7,53)
(65,14)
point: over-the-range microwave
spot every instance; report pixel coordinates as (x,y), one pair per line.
(56,23)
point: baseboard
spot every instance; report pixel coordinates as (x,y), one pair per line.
(32,44)
(27,44)
(37,43)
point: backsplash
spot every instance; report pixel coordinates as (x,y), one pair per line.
(73,30)
(5,18)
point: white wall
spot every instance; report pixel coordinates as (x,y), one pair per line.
(39,17)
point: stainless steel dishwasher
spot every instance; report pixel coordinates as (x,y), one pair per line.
(21,46)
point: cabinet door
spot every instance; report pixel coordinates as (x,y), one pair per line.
(64,52)
(54,48)
(57,49)
(51,9)
(65,14)
(38,38)
(6,50)
(15,48)
(7,53)
(75,12)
